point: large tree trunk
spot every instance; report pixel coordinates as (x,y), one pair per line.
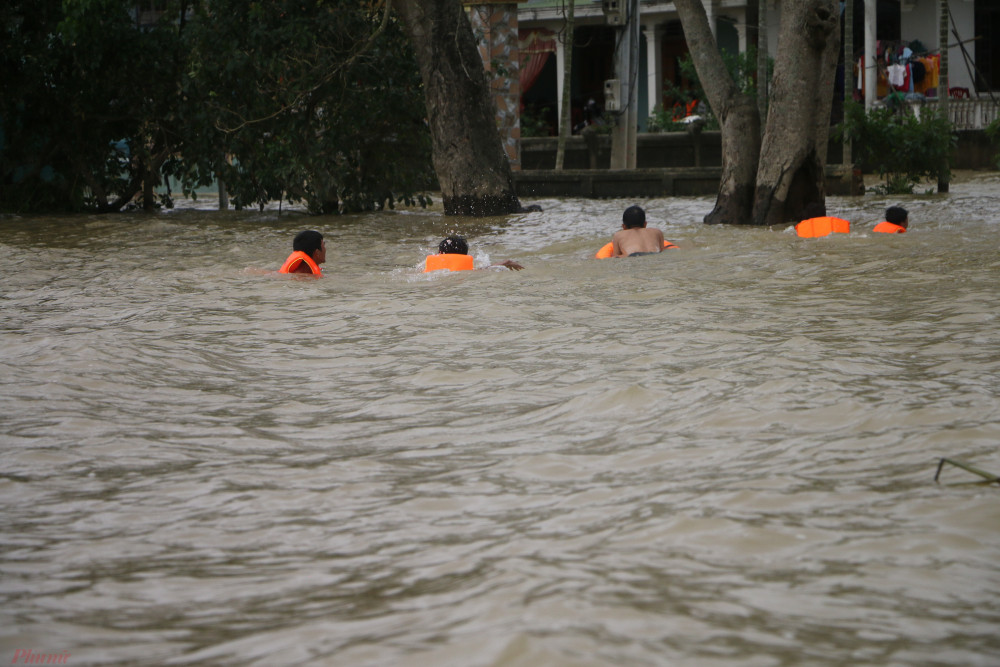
(760,16)
(149,171)
(792,170)
(566,112)
(737,113)
(471,166)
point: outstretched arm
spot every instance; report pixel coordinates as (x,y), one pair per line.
(510,264)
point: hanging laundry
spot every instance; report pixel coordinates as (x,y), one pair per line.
(897,75)
(933,65)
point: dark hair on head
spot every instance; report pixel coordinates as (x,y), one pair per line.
(814,209)
(308,241)
(634,216)
(897,215)
(454,245)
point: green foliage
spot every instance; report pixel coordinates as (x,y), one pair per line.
(668,120)
(81,90)
(534,123)
(301,103)
(993,133)
(742,67)
(283,100)
(900,147)
(662,120)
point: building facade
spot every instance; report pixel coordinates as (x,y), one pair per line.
(893,26)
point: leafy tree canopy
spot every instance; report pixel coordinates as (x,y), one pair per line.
(80,90)
(316,101)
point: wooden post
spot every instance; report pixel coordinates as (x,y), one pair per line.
(944,178)
(848,69)
(870,61)
(623,137)
(565,106)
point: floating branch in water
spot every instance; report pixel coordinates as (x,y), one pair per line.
(989,477)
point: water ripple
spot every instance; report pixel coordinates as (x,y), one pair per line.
(722,455)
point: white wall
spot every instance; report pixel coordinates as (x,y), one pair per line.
(921,22)
(964,12)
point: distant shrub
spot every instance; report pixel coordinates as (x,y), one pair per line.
(902,148)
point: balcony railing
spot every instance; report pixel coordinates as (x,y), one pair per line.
(966,114)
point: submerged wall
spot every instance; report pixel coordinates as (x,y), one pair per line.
(683,149)
(678,164)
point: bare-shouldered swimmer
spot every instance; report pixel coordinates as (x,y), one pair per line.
(635,237)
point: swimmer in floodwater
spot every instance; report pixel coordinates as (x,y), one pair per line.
(815,223)
(897,220)
(308,252)
(453,255)
(635,238)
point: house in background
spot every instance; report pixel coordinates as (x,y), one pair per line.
(973,51)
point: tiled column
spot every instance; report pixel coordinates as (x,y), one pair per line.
(494,23)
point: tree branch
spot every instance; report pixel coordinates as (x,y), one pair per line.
(302,95)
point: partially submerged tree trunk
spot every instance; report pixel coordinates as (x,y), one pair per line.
(148,169)
(762,57)
(768,181)
(149,181)
(737,114)
(471,166)
(792,169)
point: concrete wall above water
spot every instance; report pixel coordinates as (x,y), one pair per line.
(676,164)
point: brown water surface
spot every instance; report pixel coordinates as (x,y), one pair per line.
(720,456)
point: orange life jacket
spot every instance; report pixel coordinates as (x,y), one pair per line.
(816,227)
(297,258)
(889,228)
(449,261)
(606,251)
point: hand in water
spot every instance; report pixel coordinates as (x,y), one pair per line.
(510,264)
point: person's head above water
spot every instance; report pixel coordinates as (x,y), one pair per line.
(308,252)
(308,242)
(633,217)
(453,245)
(453,254)
(897,215)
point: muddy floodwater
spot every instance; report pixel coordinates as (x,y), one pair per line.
(720,456)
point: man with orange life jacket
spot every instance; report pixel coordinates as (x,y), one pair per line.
(815,223)
(453,255)
(897,219)
(308,252)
